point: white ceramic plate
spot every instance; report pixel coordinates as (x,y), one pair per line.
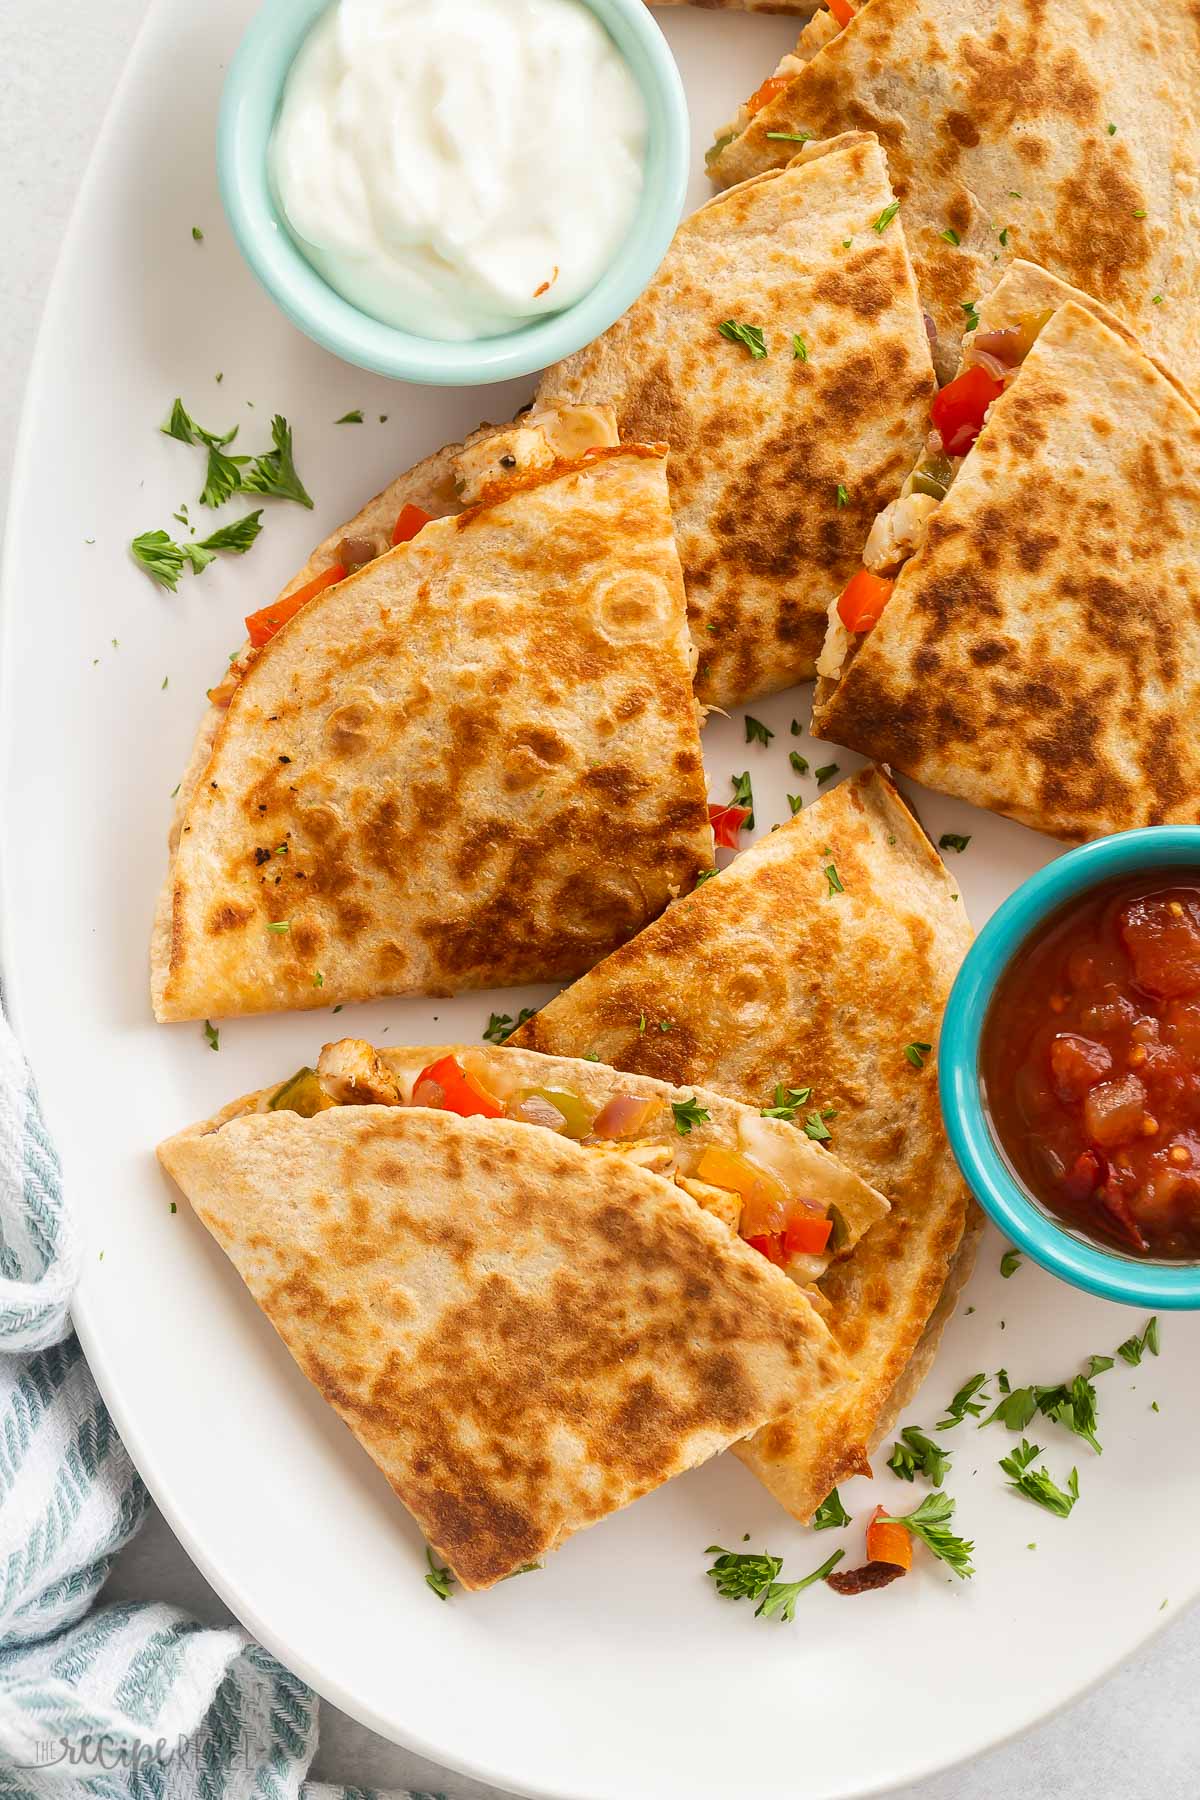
(616,1673)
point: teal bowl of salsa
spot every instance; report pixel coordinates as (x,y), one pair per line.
(1069,1067)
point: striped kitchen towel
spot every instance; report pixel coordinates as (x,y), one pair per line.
(131,1702)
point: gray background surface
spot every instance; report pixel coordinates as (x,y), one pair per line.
(1135,1737)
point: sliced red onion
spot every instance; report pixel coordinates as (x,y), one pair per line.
(533,1110)
(623,1116)
(1004,344)
(930,331)
(998,370)
(429,1093)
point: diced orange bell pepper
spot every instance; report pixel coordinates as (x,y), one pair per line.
(888,1543)
(464,1094)
(863,599)
(842,11)
(411,519)
(262,625)
(806,1235)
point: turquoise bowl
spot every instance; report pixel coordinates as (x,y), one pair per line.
(249,104)
(1024,1220)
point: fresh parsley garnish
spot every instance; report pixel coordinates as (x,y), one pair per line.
(1003,236)
(197,234)
(971,310)
(275,473)
(706,875)
(1111,129)
(797,729)
(1133,1349)
(831,1515)
(757,732)
(918,1454)
(279,925)
(502,1025)
(222,478)
(751,336)
(351,418)
(953,840)
(795,803)
(951,236)
(236,537)
(790,137)
(1036,1484)
(964,1402)
(162,559)
(212,1035)
(1072,1405)
(1010,1262)
(182,426)
(749,1575)
(798,762)
(916,1054)
(1098,1365)
(841,496)
(438,1578)
(688,1113)
(799,348)
(931,1523)
(815,1126)
(743,795)
(834,879)
(825,773)
(886,216)
(787,1102)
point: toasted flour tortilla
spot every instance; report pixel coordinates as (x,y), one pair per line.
(474,763)
(523,1335)
(1040,653)
(995,116)
(778,462)
(773,977)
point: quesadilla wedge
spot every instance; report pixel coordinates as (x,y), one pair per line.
(781,351)
(802,975)
(473,763)
(769,1182)
(525,1336)
(1061,134)
(1030,640)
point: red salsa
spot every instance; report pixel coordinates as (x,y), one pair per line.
(1090,1064)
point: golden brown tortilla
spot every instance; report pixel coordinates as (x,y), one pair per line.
(524,1336)
(475,763)
(773,977)
(779,462)
(1040,653)
(995,116)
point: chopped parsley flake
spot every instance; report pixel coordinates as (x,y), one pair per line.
(275,473)
(280,925)
(1139,212)
(795,803)
(438,1578)
(197,234)
(706,875)
(964,1402)
(751,336)
(953,840)
(743,795)
(790,137)
(918,1454)
(318,979)
(825,773)
(1004,237)
(688,1113)
(787,1101)
(831,1515)
(798,762)
(916,1054)
(969,307)
(351,418)
(834,879)
(951,236)
(841,495)
(212,1035)
(1010,1262)
(161,558)
(1111,129)
(886,216)
(815,1126)
(799,348)
(1133,1349)
(1156,299)
(502,1025)
(1036,1484)
(757,732)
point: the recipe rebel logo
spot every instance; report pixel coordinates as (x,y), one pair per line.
(109,1751)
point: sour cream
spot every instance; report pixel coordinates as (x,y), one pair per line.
(457,167)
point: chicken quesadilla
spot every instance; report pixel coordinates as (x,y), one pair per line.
(1025,629)
(1060,134)
(473,763)
(781,351)
(811,975)
(525,1332)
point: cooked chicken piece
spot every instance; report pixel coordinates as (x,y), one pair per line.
(354,1075)
(719,1201)
(898,531)
(570,430)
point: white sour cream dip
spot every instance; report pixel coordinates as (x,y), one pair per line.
(457,167)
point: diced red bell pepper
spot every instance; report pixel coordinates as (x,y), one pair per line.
(769,1245)
(806,1235)
(464,1095)
(842,11)
(1084,1176)
(774,84)
(726,822)
(263,624)
(411,519)
(959,408)
(863,599)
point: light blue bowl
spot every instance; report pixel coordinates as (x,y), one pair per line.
(249,105)
(1136,1281)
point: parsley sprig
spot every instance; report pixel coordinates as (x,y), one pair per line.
(688,1113)
(965,1402)
(753,1575)
(1133,1349)
(917,1454)
(165,560)
(787,1102)
(751,336)
(438,1578)
(1036,1484)
(931,1523)
(502,1025)
(831,1515)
